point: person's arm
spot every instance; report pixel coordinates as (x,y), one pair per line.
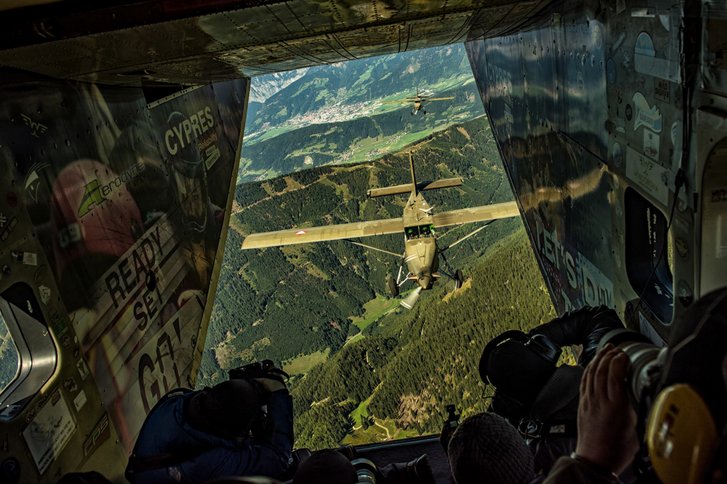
(570,470)
(585,326)
(278,431)
(607,440)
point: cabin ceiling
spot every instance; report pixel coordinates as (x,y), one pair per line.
(194,42)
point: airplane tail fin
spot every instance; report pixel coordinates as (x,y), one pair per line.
(414,186)
(413,173)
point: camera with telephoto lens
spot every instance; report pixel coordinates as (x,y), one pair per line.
(258,369)
(366,471)
(251,371)
(646,361)
(679,393)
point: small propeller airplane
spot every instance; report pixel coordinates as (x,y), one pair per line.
(419,224)
(418,101)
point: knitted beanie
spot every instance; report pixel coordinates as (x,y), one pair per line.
(326,467)
(487,448)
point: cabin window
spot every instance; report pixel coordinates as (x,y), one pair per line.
(647,255)
(9,357)
(29,355)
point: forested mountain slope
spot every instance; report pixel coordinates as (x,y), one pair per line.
(410,365)
(364,369)
(346,113)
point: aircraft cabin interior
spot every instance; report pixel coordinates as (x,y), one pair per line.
(610,118)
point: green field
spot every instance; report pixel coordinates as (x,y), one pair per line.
(302,364)
(361,411)
(374,310)
(381,430)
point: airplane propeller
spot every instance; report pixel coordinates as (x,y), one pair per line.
(410,300)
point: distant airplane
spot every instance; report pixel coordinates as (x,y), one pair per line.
(418,101)
(419,224)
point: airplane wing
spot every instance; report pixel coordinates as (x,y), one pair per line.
(440,98)
(398,101)
(307,235)
(476,214)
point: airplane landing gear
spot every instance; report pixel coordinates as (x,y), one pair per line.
(458,279)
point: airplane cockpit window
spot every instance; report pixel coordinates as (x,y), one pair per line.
(426,230)
(9,357)
(421,231)
(35,355)
(648,254)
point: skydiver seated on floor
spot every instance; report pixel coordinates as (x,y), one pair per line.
(198,436)
(538,398)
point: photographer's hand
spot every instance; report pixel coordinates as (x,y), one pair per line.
(271,384)
(606,420)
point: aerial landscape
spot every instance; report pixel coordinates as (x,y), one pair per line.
(364,369)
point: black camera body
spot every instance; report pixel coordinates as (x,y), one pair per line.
(257,369)
(646,363)
(366,471)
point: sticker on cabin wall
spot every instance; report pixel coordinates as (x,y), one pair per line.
(676,142)
(44,293)
(3,220)
(30,258)
(682,247)
(27,258)
(70,385)
(82,368)
(100,433)
(33,181)
(684,293)
(67,341)
(36,127)
(616,156)
(9,227)
(80,400)
(648,175)
(646,62)
(662,90)
(49,432)
(645,115)
(651,144)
